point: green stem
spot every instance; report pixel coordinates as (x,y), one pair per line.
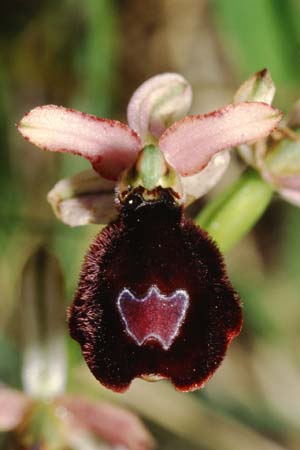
(231,216)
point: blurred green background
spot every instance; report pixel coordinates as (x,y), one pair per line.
(91,55)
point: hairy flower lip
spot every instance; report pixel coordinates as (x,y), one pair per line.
(159,376)
(144,246)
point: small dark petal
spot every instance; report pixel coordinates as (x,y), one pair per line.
(154,299)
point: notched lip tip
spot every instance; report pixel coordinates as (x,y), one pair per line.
(193,386)
(115,388)
(156,378)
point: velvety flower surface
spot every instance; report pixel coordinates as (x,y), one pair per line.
(153,298)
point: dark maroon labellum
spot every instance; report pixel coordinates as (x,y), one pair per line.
(154,298)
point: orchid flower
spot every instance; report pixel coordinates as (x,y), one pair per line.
(43,415)
(70,421)
(277,157)
(153,300)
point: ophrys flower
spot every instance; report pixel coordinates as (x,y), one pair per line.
(153,298)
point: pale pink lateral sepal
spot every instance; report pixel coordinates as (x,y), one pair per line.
(13,407)
(110,145)
(157,103)
(190,143)
(113,424)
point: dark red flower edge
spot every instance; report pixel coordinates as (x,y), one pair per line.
(152,243)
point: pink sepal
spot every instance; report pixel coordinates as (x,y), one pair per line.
(13,406)
(112,423)
(110,145)
(190,143)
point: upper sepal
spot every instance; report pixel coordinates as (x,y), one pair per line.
(110,145)
(158,103)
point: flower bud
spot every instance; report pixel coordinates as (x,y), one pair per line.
(258,88)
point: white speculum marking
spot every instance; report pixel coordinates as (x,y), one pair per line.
(155,316)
